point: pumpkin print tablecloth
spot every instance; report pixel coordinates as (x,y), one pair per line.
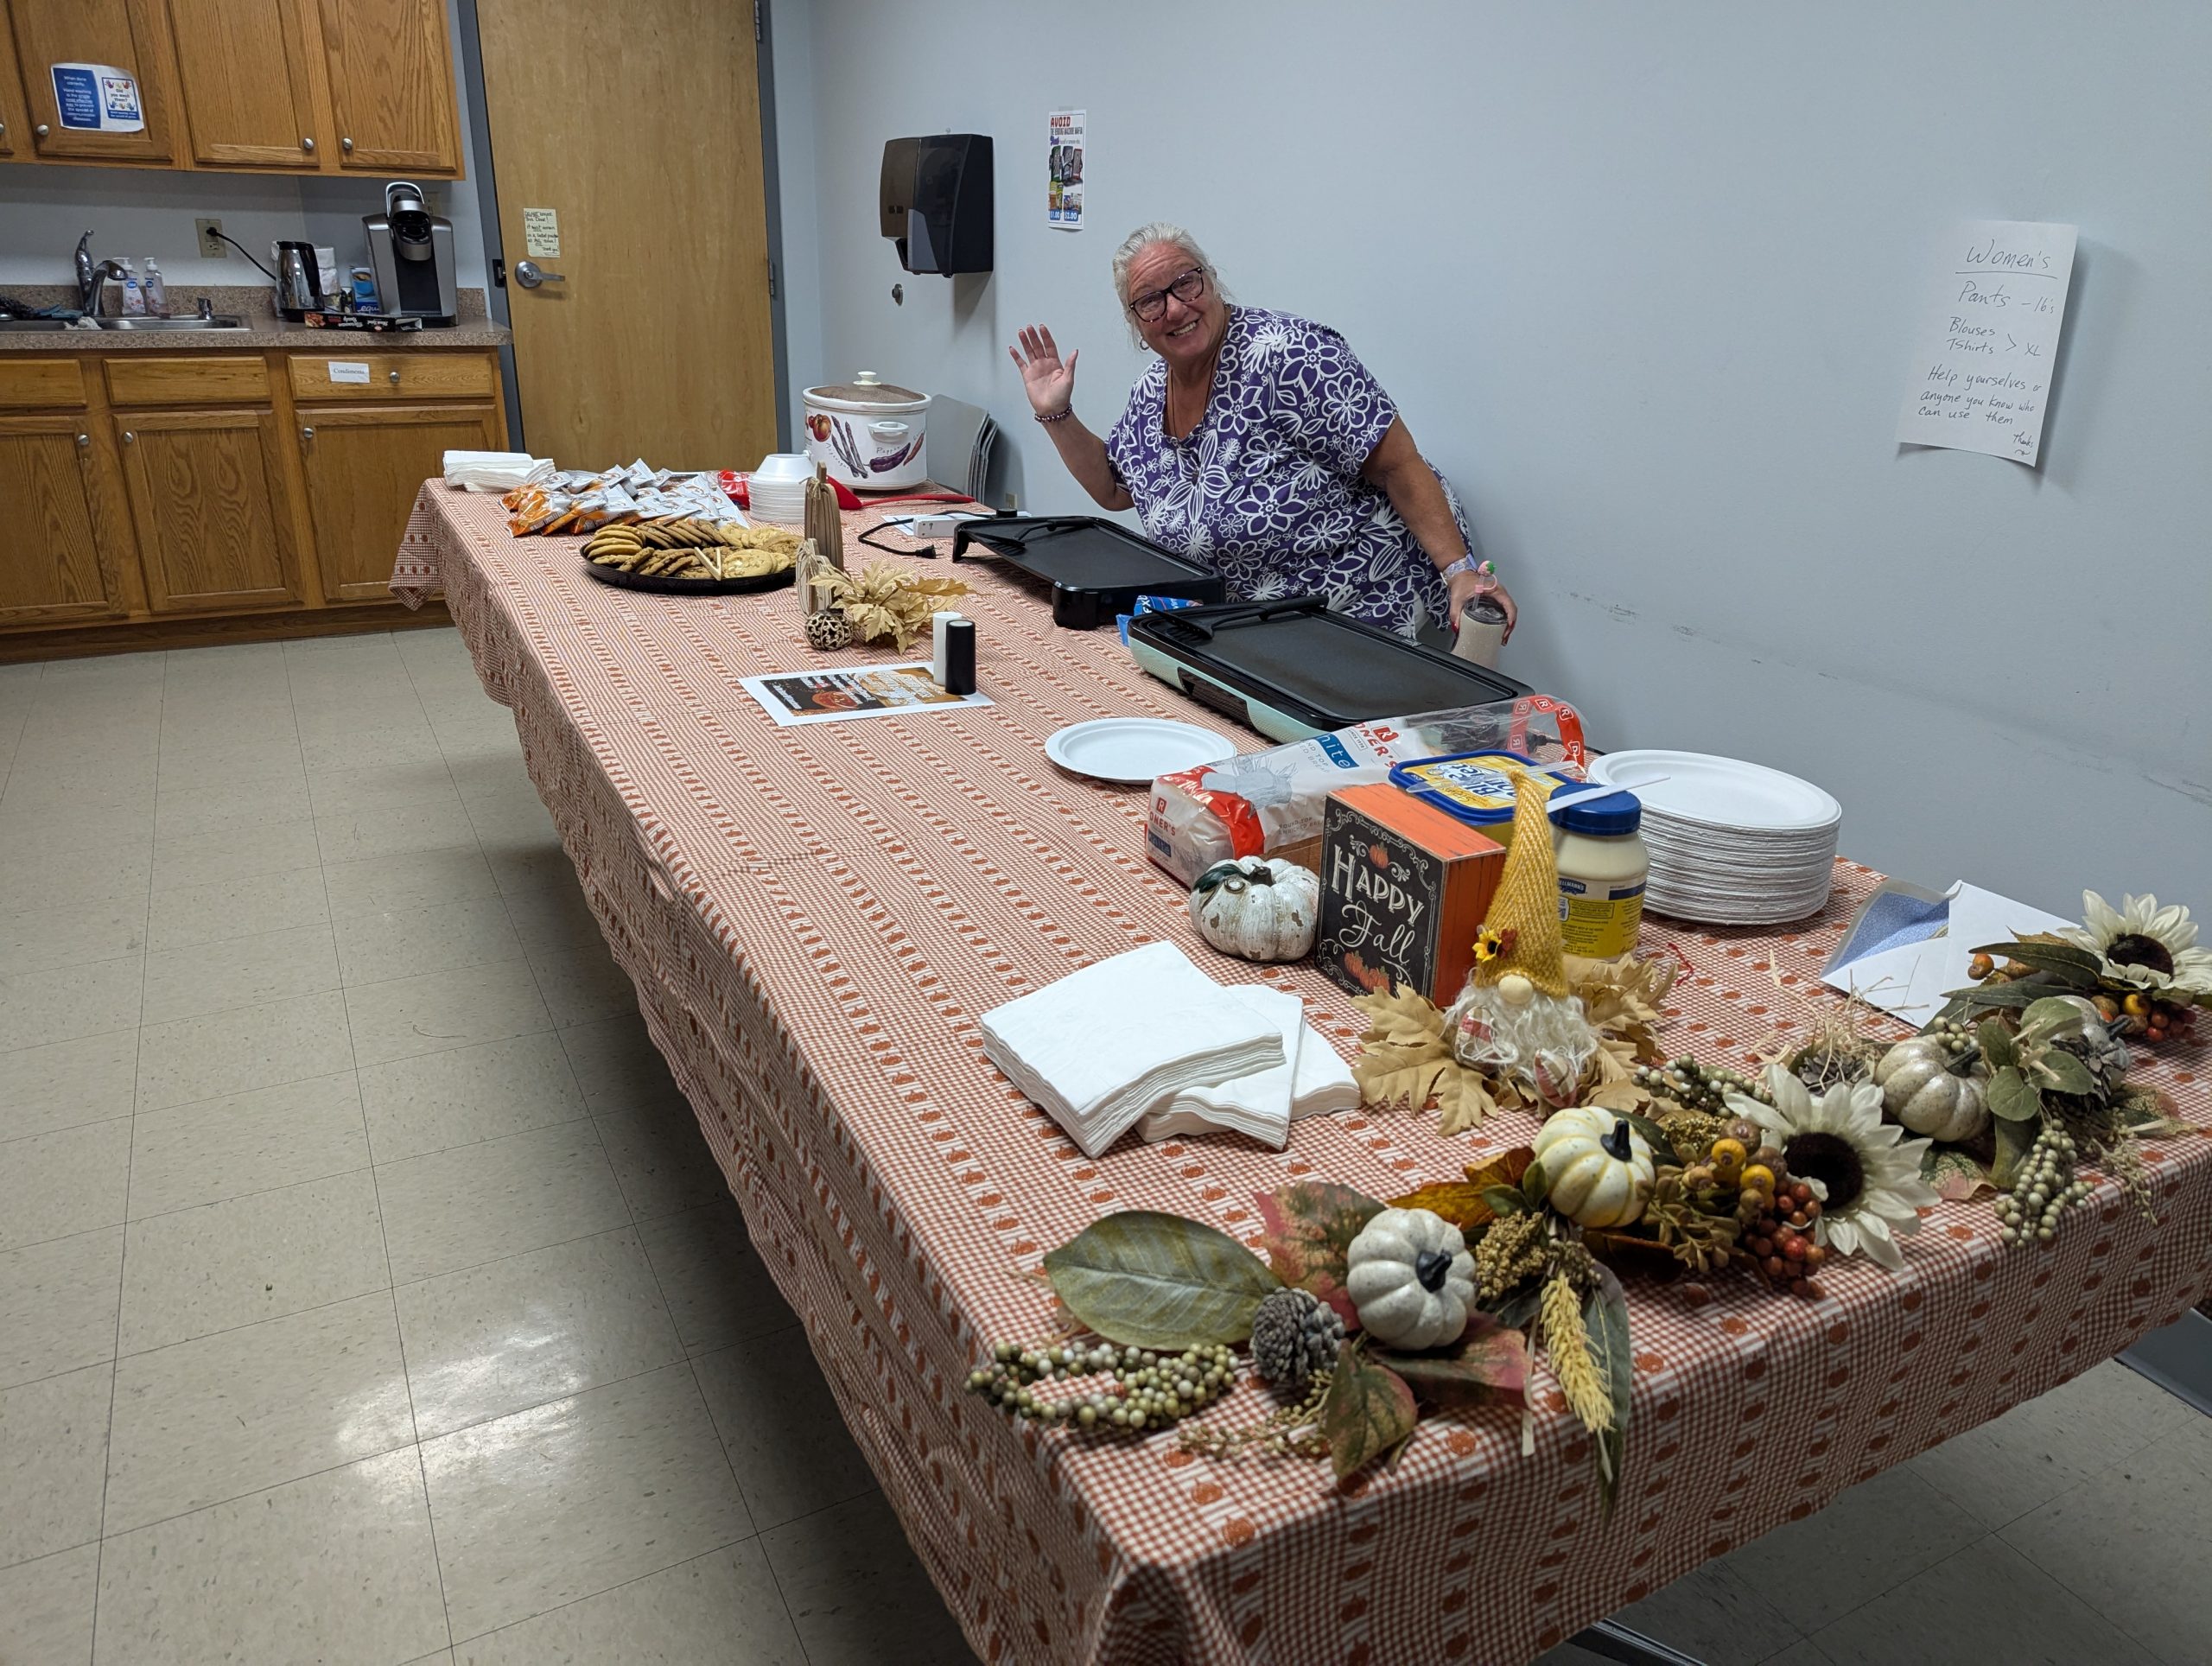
(814,918)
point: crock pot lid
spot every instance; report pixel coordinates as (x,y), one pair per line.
(865,389)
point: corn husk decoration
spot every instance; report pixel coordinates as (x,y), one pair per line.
(1518,1017)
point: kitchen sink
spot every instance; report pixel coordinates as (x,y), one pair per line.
(32,324)
(220,321)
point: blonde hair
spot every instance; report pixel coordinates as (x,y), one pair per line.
(1157,231)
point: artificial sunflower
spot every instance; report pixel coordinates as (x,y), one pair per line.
(2144,946)
(1864,1171)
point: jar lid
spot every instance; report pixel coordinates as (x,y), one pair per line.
(1615,814)
(865,389)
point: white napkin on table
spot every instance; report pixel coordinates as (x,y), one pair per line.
(495,470)
(1105,1044)
(1312,1082)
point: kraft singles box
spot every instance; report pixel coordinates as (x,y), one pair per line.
(1404,888)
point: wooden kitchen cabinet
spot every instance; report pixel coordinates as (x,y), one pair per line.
(131,35)
(363,469)
(66,523)
(15,129)
(392,86)
(208,496)
(247,79)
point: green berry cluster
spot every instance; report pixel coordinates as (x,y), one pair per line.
(1144,1389)
(1956,1033)
(2046,1188)
(1695,1086)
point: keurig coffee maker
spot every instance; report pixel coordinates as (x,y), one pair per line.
(410,251)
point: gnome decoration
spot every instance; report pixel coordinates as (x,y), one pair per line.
(1517,1016)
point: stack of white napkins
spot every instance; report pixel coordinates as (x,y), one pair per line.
(1123,1036)
(496,471)
(1311,1082)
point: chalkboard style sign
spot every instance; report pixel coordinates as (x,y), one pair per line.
(1403,890)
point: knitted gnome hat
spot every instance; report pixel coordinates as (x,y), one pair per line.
(1524,914)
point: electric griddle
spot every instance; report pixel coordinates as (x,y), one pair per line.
(1096,569)
(1292,669)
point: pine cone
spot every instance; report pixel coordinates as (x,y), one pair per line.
(1509,1254)
(1295,1334)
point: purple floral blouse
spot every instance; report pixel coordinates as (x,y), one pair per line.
(1266,490)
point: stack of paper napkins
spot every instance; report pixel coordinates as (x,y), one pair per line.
(1148,1034)
(496,471)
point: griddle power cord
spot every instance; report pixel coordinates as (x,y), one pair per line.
(247,252)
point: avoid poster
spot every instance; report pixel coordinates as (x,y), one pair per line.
(97,98)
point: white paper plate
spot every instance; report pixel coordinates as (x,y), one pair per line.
(1135,749)
(1718,792)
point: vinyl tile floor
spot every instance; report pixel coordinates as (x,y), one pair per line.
(367,1294)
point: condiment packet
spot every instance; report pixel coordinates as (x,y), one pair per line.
(538,514)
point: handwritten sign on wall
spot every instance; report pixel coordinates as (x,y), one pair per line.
(1981,377)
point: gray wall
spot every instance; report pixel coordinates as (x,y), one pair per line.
(1644,282)
(139,211)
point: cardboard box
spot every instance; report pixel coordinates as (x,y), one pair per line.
(1404,888)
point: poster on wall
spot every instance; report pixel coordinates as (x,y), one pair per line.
(97,98)
(1981,377)
(1064,170)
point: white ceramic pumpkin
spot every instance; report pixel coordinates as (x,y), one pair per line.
(1920,1090)
(1411,1279)
(1258,908)
(1597,1170)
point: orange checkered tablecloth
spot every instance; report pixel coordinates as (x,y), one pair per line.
(815,917)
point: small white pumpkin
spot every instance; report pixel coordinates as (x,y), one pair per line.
(1411,1279)
(1258,908)
(1920,1090)
(1598,1169)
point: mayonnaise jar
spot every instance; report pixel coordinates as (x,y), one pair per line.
(1598,847)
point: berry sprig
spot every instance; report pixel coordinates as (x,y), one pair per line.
(1144,1388)
(2044,1189)
(1695,1086)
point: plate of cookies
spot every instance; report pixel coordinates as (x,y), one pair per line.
(692,557)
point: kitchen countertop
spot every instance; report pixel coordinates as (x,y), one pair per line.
(265,329)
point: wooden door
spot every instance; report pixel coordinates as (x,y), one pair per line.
(244,78)
(392,86)
(656,343)
(363,469)
(131,36)
(60,556)
(15,129)
(207,495)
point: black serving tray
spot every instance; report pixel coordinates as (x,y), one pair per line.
(1290,668)
(1095,568)
(689,587)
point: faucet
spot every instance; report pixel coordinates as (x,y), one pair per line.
(92,276)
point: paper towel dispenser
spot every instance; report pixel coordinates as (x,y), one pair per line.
(936,198)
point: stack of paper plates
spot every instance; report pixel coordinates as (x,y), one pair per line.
(1732,843)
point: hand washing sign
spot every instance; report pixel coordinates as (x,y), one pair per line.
(97,98)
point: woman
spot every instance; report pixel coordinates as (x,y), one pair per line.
(1258,445)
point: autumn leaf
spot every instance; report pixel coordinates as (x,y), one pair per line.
(1307,1230)
(1459,1202)
(1956,1177)
(1504,1169)
(1489,1362)
(1630,1252)
(1463,1099)
(1403,1017)
(1369,1412)
(1391,1075)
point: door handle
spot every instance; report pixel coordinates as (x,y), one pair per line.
(529,275)
(307,145)
(84,440)
(307,436)
(128,438)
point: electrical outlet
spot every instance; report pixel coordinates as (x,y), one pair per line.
(212,246)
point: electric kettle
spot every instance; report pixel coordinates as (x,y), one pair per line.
(298,291)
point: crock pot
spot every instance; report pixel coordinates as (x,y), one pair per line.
(867,433)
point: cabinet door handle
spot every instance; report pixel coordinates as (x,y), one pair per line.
(395,378)
(307,145)
(83,442)
(41,129)
(128,438)
(307,436)
(346,145)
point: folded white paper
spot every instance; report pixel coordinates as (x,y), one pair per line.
(1313,1081)
(1912,979)
(1105,1044)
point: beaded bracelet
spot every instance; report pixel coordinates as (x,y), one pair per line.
(1060,415)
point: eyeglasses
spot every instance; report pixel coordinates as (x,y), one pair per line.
(1152,305)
